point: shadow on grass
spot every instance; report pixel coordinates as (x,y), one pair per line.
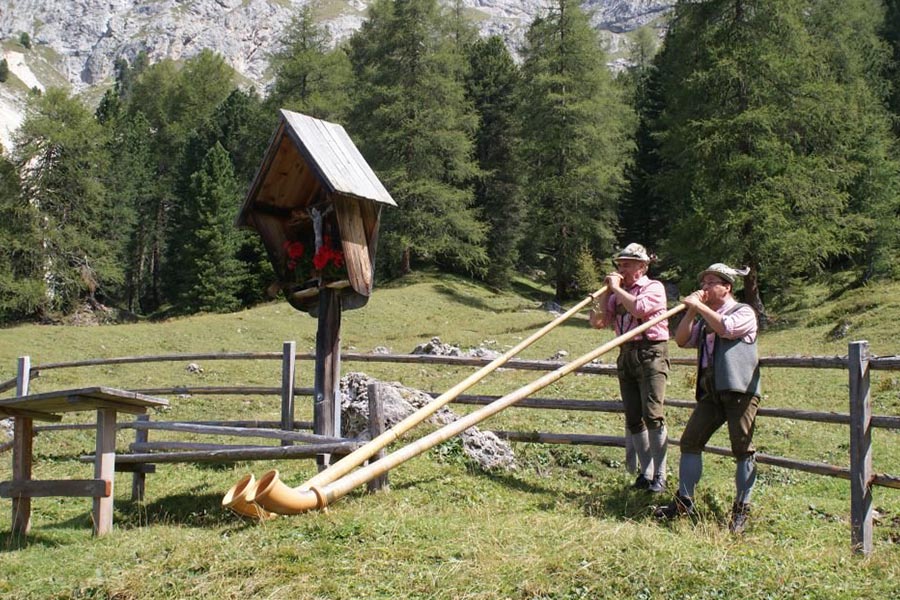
(193,509)
(512,482)
(622,503)
(14,543)
(530,290)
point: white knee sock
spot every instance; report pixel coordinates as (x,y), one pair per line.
(659,444)
(641,443)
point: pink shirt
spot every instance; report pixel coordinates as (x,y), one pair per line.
(650,302)
(741,324)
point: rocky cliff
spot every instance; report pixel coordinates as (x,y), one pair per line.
(74,42)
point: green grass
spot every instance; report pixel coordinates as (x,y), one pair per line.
(564,525)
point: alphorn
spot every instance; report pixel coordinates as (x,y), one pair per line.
(236,498)
(274,495)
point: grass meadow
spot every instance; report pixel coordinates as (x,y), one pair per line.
(564,525)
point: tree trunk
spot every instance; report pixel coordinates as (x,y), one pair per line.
(751,293)
(405,261)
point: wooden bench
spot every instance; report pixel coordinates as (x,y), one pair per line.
(49,407)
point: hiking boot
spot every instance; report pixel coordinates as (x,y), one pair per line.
(641,483)
(680,506)
(658,485)
(740,513)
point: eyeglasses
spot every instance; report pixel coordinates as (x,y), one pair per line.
(711,282)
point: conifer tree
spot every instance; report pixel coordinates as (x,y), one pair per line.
(642,214)
(493,87)
(891,34)
(769,138)
(242,128)
(176,102)
(576,132)
(21,282)
(414,125)
(210,273)
(61,157)
(310,77)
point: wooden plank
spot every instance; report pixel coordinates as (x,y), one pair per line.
(23,452)
(78,488)
(83,399)
(260,176)
(376,428)
(330,151)
(326,398)
(196,356)
(276,434)
(239,454)
(860,449)
(139,447)
(34,415)
(139,477)
(136,469)
(354,244)
(105,469)
(288,369)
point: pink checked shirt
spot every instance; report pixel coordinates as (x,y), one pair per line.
(739,324)
(650,303)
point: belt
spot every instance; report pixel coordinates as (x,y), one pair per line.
(643,343)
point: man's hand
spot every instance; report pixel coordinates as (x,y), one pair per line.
(614,281)
(696,299)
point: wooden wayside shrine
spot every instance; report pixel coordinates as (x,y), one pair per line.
(316,204)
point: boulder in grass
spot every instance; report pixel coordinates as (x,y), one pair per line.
(483,447)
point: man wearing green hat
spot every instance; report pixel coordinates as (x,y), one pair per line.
(724,332)
(631,299)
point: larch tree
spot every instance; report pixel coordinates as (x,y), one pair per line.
(576,141)
(60,154)
(762,141)
(311,77)
(21,266)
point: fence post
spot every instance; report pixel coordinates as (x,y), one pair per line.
(860,448)
(23,440)
(288,369)
(376,428)
(139,476)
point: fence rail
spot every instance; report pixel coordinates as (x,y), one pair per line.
(860,420)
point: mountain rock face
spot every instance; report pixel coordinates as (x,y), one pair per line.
(75,42)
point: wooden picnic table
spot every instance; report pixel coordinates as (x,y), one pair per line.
(49,406)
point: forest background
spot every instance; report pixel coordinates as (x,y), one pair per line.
(760,132)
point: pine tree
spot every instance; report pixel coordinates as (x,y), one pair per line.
(493,87)
(414,125)
(211,274)
(576,131)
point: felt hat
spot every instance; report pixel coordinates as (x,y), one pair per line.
(633,252)
(724,272)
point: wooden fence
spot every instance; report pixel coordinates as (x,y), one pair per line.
(860,419)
